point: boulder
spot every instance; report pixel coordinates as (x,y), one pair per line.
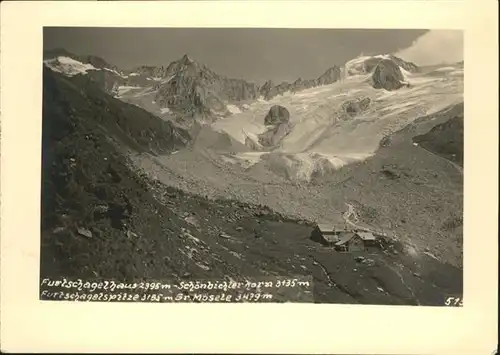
(84,232)
(386,141)
(101,208)
(192,221)
(276,115)
(224,235)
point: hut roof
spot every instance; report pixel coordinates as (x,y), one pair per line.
(344,237)
(366,235)
(331,238)
(323,227)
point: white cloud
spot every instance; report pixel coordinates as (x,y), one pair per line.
(435,47)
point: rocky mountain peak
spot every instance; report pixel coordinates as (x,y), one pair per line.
(265,89)
(330,76)
(267,84)
(387,75)
(95,61)
(187,66)
(367,64)
(333,69)
(186,60)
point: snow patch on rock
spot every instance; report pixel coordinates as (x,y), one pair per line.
(68,66)
(233,109)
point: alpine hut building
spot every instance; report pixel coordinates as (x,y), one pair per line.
(325,234)
(356,241)
(345,240)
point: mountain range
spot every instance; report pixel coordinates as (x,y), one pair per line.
(179,172)
(187,89)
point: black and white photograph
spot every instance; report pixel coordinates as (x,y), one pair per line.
(252,165)
(249,177)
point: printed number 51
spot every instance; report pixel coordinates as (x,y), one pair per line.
(453,301)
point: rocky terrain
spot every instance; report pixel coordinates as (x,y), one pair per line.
(81,128)
(402,189)
(445,139)
(128,193)
(340,123)
(184,91)
(387,75)
(277,121)
(269,90)
(367,64)
(356,106)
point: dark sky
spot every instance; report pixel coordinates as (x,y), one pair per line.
(254,54)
